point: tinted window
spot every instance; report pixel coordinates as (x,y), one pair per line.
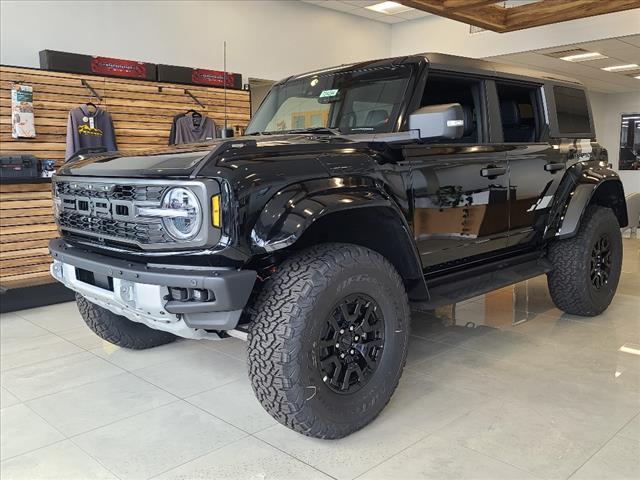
(519,113)
(630,142)
(299,112)
(353,101)
(467,92)
(572,110)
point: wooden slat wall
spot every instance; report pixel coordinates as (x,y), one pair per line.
(142,118)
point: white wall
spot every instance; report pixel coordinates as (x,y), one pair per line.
(266,39)
(607,109)
(437,34)
(270,40)
(273,39)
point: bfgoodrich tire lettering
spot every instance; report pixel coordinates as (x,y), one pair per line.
(119,330)
(576,283)
(288,326)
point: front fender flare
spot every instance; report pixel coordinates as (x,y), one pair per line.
(381,225)
(292,210)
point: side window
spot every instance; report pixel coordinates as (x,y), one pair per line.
(572,110)
(520,112)
(441,89)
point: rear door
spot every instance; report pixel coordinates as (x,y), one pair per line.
(536,166)
(459,188)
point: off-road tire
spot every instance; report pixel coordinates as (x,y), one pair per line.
(569,282)
(283,340)
(119,330)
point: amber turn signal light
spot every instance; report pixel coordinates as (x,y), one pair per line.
(216,212)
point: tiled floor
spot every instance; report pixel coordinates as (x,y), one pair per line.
(503,386)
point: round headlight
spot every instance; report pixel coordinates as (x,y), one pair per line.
(184,213)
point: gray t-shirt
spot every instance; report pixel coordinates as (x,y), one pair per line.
(193,129)
(89,129)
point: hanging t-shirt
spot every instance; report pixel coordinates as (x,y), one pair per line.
(190,128)
(172,133)
(86,129)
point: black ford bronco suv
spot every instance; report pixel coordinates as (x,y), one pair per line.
(358,193)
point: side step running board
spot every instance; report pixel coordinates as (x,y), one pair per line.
(465,285)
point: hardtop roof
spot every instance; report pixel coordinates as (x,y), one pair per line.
(453,63)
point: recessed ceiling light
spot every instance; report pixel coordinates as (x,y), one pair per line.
(582,57)
(637,76)
(389,8)
(621,68)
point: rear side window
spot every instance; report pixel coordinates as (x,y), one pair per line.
(572,110)
(520,112)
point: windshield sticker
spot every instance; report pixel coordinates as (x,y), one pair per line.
(329,93)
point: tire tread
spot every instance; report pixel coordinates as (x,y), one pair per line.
(568,281)
(281,309)
(119,330)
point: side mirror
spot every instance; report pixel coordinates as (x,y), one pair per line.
(438,121)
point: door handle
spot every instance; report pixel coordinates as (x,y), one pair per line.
(493,172)
(554,167)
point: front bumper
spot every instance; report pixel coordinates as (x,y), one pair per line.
(140,291)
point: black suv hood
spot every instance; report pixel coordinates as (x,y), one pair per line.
(186,160)
(173,161)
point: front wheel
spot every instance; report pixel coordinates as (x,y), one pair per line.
(586,267)
(329,339)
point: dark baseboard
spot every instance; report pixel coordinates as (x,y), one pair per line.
(13,299)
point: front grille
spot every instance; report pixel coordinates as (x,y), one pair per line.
(116,192)
(144,233)
(107,211)
(128,212)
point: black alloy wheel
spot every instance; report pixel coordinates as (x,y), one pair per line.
(600,262)
(329,339)
(587,266)
(351,344)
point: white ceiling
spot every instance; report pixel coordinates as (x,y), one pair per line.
(357,7)
(620,50)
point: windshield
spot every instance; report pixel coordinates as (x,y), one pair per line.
(356,101)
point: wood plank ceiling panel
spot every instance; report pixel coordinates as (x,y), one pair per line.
(494,16)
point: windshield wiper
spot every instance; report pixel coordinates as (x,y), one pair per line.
(333,131)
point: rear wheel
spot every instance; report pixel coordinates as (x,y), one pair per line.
(120,330)
(587,266)
(329,340)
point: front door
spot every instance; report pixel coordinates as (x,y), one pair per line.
(459,187)
(460,199)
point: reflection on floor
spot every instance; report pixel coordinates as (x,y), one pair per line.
(501,386)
